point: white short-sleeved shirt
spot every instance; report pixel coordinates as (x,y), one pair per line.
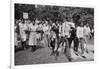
(79,32)
(86,30)
(71,24)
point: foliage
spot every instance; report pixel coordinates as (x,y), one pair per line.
(79,14)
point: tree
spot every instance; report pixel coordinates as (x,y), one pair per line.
(78,14)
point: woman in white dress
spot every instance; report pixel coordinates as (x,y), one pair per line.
(32,37)
(23,35)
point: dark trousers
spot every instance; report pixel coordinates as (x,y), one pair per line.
(23,44)
(70,41)
(76,42)
(67,42)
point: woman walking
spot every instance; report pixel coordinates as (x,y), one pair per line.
(32,37)
(23,35)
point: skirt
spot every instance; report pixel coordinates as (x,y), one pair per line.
(32,39)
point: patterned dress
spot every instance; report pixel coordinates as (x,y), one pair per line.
(33,35)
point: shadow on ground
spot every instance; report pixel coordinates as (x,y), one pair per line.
(21,49)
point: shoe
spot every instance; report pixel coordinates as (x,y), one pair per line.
(76,54)
(83,56)
(69,59)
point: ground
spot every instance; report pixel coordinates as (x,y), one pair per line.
(42,55)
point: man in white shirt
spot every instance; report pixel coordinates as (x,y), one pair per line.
(86,35)
(86,30)
(66,28)
(79,32)
(80,35)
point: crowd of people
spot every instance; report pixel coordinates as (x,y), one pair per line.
(57,35)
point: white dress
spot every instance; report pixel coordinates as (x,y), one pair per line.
(39,27)
(33,35)
(23,27)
